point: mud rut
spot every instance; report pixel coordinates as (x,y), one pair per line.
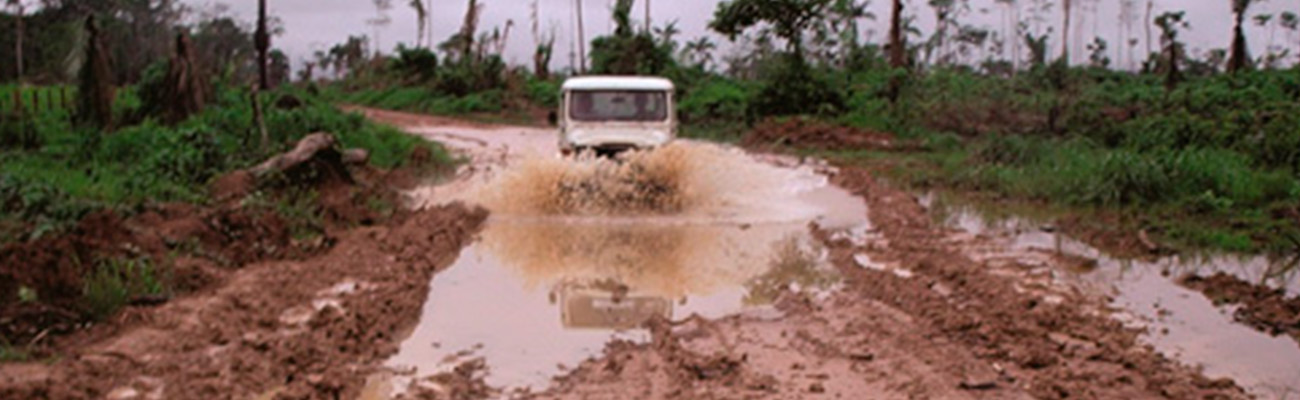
(757,277)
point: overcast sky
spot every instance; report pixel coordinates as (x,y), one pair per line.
(317,24)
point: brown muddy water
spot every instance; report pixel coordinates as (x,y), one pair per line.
(579,253)
(1180,323)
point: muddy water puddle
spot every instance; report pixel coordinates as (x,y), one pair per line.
(580,253)
(1181,323)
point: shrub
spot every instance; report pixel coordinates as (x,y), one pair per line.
(794,88)
(714,101)
(114,283)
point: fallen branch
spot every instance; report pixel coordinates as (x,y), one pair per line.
(304,151)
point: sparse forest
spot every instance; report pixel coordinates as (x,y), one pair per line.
(1199,148)
(154,149)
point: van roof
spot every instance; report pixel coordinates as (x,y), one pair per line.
(618,83)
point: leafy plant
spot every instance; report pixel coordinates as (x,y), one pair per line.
(114,283)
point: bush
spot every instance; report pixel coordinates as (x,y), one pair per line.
(114,283)
(718,100)
(794,88)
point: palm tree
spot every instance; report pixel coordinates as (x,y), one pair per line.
(422,20)
(699,51)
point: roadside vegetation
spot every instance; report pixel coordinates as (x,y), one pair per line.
(1200,149)
(88,149)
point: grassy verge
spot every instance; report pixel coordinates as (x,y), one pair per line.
(51,185)
(77,170)
(1192,200)
(1213,163)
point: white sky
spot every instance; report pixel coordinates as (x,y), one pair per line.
(317,24)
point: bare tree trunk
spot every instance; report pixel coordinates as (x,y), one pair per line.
(897,47)
(1151,5)
(582,42)
(1239,57)
(262,39)
(186,90)
(1065,33)
(254,97)
(96,88)
(20,27)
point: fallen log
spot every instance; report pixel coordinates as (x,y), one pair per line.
(309,147)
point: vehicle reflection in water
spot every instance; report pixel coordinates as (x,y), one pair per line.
(608,305)
(537,293)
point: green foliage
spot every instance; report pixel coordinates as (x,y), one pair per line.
(9,353)
(544,93)
(115,282)
(716,100)
(419,64)
(77,170)
(789,18)
(795,88)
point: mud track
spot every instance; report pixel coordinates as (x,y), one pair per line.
(916,317)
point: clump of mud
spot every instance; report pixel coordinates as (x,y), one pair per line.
(681,178)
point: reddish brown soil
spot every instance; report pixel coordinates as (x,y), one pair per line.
(318,326)
(810,134)
(1263,308)
(285,329)
(1051,349)
(193,246)
(954,329)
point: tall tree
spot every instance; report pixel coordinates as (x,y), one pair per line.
(582,40)
(380,22)
(19,31)
(1170,23)
(897,42)
(262,41)
(545,44)
(789,18)
(1067,7)
(422,20)
(1239,57)
(185,90)
(95,90)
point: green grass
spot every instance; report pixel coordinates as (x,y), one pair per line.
(114,283)
(74,170)
(1194,198)
(50,98)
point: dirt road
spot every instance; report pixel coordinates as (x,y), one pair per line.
(699,271)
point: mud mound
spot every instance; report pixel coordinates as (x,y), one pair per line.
(306,329)
(815,135)
(254,218)
(53,266)
(1265,309)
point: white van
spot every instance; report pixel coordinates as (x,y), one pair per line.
(611,114)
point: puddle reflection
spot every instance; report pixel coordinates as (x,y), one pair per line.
(537,294)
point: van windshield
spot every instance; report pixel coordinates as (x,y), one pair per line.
(618,105)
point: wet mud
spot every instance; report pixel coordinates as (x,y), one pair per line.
(752,276)
(1157,296)
(916,310)
(1266,309)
